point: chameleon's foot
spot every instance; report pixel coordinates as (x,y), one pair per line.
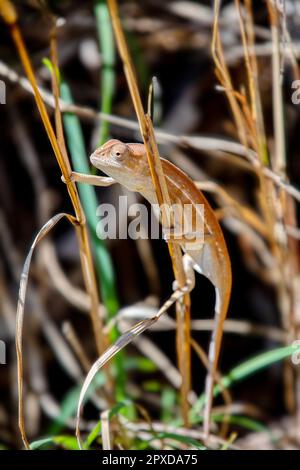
(188,264)
(188,287)
(71,178)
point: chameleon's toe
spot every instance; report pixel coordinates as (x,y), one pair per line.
(70,178)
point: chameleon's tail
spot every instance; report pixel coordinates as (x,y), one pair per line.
(221,307)
(208,262)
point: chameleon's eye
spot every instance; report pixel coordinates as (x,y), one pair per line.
(119,151)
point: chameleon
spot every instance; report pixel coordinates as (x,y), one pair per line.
(127,164)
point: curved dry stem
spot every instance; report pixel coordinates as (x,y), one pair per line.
(20,314)
(159,183)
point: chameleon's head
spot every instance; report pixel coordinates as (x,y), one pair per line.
(126,163)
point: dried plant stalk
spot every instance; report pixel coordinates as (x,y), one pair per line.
(9,13)
(20,315)
(146,128)
(81,230)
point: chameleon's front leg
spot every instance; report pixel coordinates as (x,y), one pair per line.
(93,180)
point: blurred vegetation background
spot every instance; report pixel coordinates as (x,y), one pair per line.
(171,41)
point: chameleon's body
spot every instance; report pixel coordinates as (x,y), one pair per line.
(127,164)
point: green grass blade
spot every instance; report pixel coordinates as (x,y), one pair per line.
(95,432)
(244,370)
(69,403)
(168,404)
(67,442)
(101,255)
(178,437)
(108,58)
(40,443)
(242,421)
(89,201)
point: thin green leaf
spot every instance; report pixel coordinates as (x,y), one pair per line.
(178,437)
(89,201)
(108,59)
(152,386)
(244,370)
(101,255)
(69,403)
(140,363)
(92,436)
(67,442)
(38,444)
(243,421)
(47,62)
(168,402)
